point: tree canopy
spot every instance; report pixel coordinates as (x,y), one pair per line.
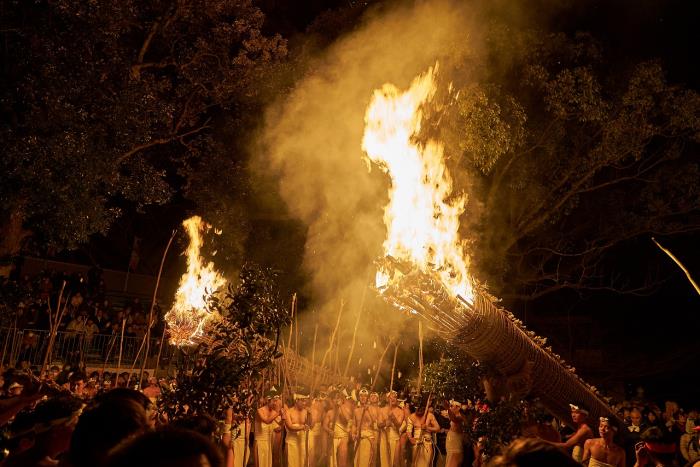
(565,156)
(114,105)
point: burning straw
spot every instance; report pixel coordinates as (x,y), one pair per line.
(425,270)
(190,312)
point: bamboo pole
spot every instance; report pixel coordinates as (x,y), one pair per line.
(289,338)
(12,332)
(393,367)
(379,365)
(420,354)
(109,352)
(337,355)
(136,358)
(335,331)
(291,321)
(151,318)
(160,351)
(354,332)
(296,332)
(121,347)
(313,354)
(680,265)
(53,327)
(4,347)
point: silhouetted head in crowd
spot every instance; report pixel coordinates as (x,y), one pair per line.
(135,396)
(202,424)
(532,452)
(108,422)
(171,447)
(43,432)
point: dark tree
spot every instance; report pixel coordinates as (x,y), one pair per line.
(565,157)
(111,105)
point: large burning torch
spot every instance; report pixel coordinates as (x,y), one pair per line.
(189,314)
(425,270)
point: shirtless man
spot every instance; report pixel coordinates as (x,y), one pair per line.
(338,424)
(365,430)
(583,432)
(315,435)
(602,452)
(265,430)
(393,419)
(403,441)
(453,444)
(421,426)
(277,428)
(296,422)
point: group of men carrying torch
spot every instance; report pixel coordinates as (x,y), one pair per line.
(340,429)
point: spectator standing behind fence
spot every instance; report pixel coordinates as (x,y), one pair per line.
(690,443)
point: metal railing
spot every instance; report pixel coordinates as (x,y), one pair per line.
(30,345)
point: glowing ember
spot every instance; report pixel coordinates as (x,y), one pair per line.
(189,314)
(422,216)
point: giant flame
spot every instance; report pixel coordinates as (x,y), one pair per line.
(189,314)
(422,217)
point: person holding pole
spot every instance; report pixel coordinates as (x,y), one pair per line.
(421,426)
(277,433)
(391,432)
(296,423)
(365,431)
(265,428)
(316,412)
(338,423)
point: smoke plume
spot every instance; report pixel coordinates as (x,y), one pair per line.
(311,145)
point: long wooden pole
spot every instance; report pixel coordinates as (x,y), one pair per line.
(160,351)
(313,354)
(54,328)
(121,346)
(296,332)
(357,323)
(420,355)
(393,367)
(379,365)
(54,322)
(354,336)
(109,353)
(151,318)
(287,350)
(335,331)
(291,321)
(12,332)
(337,355)
(136,358)
(680,265)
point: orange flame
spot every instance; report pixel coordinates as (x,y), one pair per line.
(189,314)
(422,216)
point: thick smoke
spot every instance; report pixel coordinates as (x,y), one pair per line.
(311,144)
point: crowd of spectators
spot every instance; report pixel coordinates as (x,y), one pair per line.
(83,423)
(88,310)
(678,426)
